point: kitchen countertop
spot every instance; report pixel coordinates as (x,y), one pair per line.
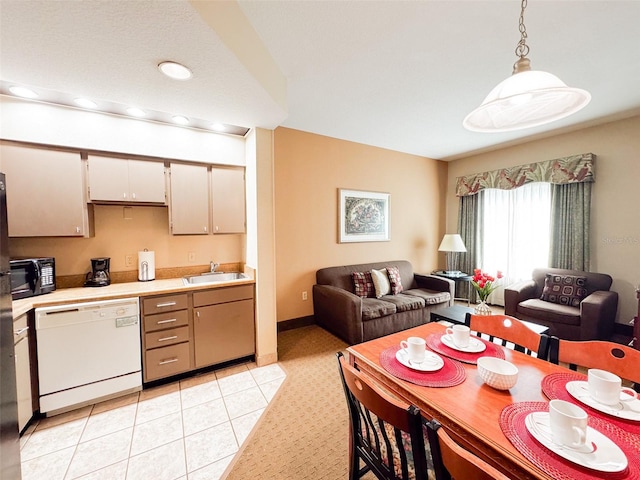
(116,290)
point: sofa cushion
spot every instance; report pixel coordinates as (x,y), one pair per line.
(404,302)
(363,284)
(394,280)
(381,282)
(567,290)
(430,297)
(374,308)
(550,312)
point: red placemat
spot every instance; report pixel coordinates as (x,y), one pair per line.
(512,424)
(554,385)
(434,342)
(452,373)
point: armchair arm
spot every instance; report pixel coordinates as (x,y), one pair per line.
(339,311)
(516,293)
(598,315)
(438,284)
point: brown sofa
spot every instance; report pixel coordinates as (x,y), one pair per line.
(355,319)
(593,319)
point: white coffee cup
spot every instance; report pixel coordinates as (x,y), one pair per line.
(568,424)
(606,388)
(415,349)
(460,335)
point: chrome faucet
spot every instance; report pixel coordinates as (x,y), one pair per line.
(213,266)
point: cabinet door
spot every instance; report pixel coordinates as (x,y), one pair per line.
(228,200)
(146,181)
(224,332)
(23,372)
(45,192)
(189,204)
(108,179)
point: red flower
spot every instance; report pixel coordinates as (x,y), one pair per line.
(483,283)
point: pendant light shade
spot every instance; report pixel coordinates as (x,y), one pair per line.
(528,98)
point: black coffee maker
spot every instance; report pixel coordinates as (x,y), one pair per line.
(99,274)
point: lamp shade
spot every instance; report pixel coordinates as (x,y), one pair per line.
(452,242)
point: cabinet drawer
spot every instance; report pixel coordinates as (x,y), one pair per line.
(165,320)
(166,361)
(222,295)
(166,337)
(165,303)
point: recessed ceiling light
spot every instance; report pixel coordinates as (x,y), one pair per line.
(175,70)
(23,92)
(180,120)
(218,127)
(136,112)
(85,103)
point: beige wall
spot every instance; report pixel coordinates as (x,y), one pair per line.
(309,170)
(615,227)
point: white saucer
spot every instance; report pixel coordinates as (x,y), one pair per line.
(475,345)
(431,363)
(627,410)
(599,452)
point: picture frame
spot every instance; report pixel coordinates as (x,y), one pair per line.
(363,216)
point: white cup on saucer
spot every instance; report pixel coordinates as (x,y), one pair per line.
(415,349)
(568,424)
(460,335)
(606,388)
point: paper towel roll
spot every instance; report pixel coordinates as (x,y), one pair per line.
(146,266)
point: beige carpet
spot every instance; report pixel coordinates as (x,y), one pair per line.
(304,432)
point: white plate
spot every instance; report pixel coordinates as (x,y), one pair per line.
(599,452)
(475,345)
(431,363)
(628,410)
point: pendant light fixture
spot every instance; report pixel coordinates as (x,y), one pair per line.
(527,98)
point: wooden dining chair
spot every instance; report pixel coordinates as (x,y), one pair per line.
(386,433)
(458,463)
(509,329)
(613,357)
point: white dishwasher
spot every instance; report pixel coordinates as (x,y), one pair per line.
(87,352)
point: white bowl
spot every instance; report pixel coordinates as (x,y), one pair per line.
(497,373)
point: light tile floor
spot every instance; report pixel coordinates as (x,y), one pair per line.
(189,429)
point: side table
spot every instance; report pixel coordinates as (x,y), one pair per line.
(457,278)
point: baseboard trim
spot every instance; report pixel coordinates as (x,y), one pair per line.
(296,323)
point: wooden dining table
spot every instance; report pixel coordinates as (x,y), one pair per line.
(470,411)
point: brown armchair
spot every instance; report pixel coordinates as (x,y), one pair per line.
(593,318)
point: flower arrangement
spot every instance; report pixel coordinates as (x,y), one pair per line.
(484,284)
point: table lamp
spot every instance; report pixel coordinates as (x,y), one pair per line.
(452,242)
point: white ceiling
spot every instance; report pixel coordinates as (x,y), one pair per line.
(395,74)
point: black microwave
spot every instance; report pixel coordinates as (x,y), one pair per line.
(32,276)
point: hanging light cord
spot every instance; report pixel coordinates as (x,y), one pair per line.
(522,49)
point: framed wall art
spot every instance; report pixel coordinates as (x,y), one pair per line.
(363,216)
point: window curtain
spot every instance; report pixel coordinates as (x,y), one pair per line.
(570,223)
(470,213)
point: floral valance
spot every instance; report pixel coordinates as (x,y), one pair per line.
(574,169)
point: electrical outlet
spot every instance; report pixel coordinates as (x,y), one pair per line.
(128,260)
(192,257)
(304,295)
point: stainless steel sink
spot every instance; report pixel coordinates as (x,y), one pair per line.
(214,277)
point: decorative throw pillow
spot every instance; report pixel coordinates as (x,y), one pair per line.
(564,289)
(381,282)
(394,280)
(363,284)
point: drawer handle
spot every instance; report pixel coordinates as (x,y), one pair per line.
(170,320)
(168,338)
(164,362)
(168,304)
(21,331)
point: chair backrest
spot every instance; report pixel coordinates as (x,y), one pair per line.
(510,329)
(458,462)
(383,428)
(613,357)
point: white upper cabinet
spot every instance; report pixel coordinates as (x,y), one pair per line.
(189,206)
(45,193)
(228,200)
(128,181)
